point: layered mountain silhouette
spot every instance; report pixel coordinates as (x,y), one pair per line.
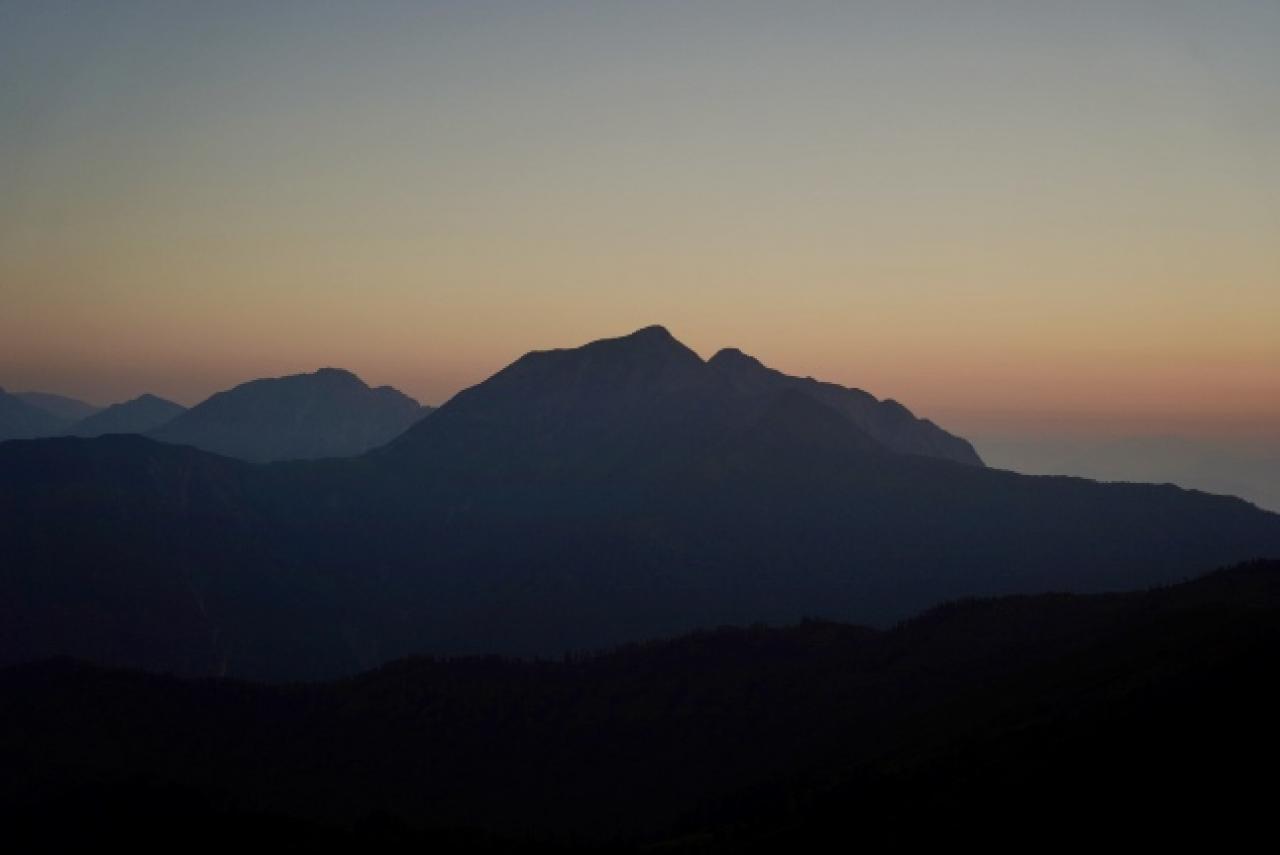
(140,415)
(888,422)
(614,399)
(329,413)
(21,419)
(579,498)
(1130,717)
(67,409)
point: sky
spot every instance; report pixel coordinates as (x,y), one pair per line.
(1017,218)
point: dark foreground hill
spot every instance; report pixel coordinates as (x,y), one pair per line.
(578,499)
(329,413)
(1143,719)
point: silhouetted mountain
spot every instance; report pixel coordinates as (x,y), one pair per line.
(888,422)
(1143,718)
(22,420)
(577,499)
(330,413)
(67,409)
(604,405)
(140,415)
(618,399)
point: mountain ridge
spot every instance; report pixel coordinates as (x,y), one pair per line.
(615,383)
(783,737)
(22,420)
(887,421)
(327,413)
(577,499)
(62,406)
(137,415)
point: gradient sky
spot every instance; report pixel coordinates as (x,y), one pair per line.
(1010,216)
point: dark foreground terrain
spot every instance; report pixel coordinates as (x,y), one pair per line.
(1038,722)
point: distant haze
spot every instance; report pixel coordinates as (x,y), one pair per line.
(1010,216)
(1248,469)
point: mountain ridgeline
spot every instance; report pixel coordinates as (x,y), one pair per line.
(330,413)
(1130,717)
(140,415)
(69,410)
(580,498)
(887,422)
(20,418)
(618,393)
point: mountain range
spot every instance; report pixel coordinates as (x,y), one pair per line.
(579,498)
(328,413)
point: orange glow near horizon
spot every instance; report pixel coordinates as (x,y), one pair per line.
(1016,221)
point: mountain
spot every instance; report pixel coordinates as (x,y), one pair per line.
(610,403)
(1136,717)
(20,419)
(330,413)
(625,397)
(577,499)
(888,422)
(140,415)
(68,409)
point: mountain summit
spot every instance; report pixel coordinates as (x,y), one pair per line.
(329,413)
(625,391)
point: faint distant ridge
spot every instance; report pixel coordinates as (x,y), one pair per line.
(67,409)
(328,413)
(887,421)
(20,419)
(142,414)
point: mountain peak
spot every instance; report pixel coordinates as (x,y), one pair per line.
(652,345)
(732,357)
(655,332)
(336,375)
(650,339)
